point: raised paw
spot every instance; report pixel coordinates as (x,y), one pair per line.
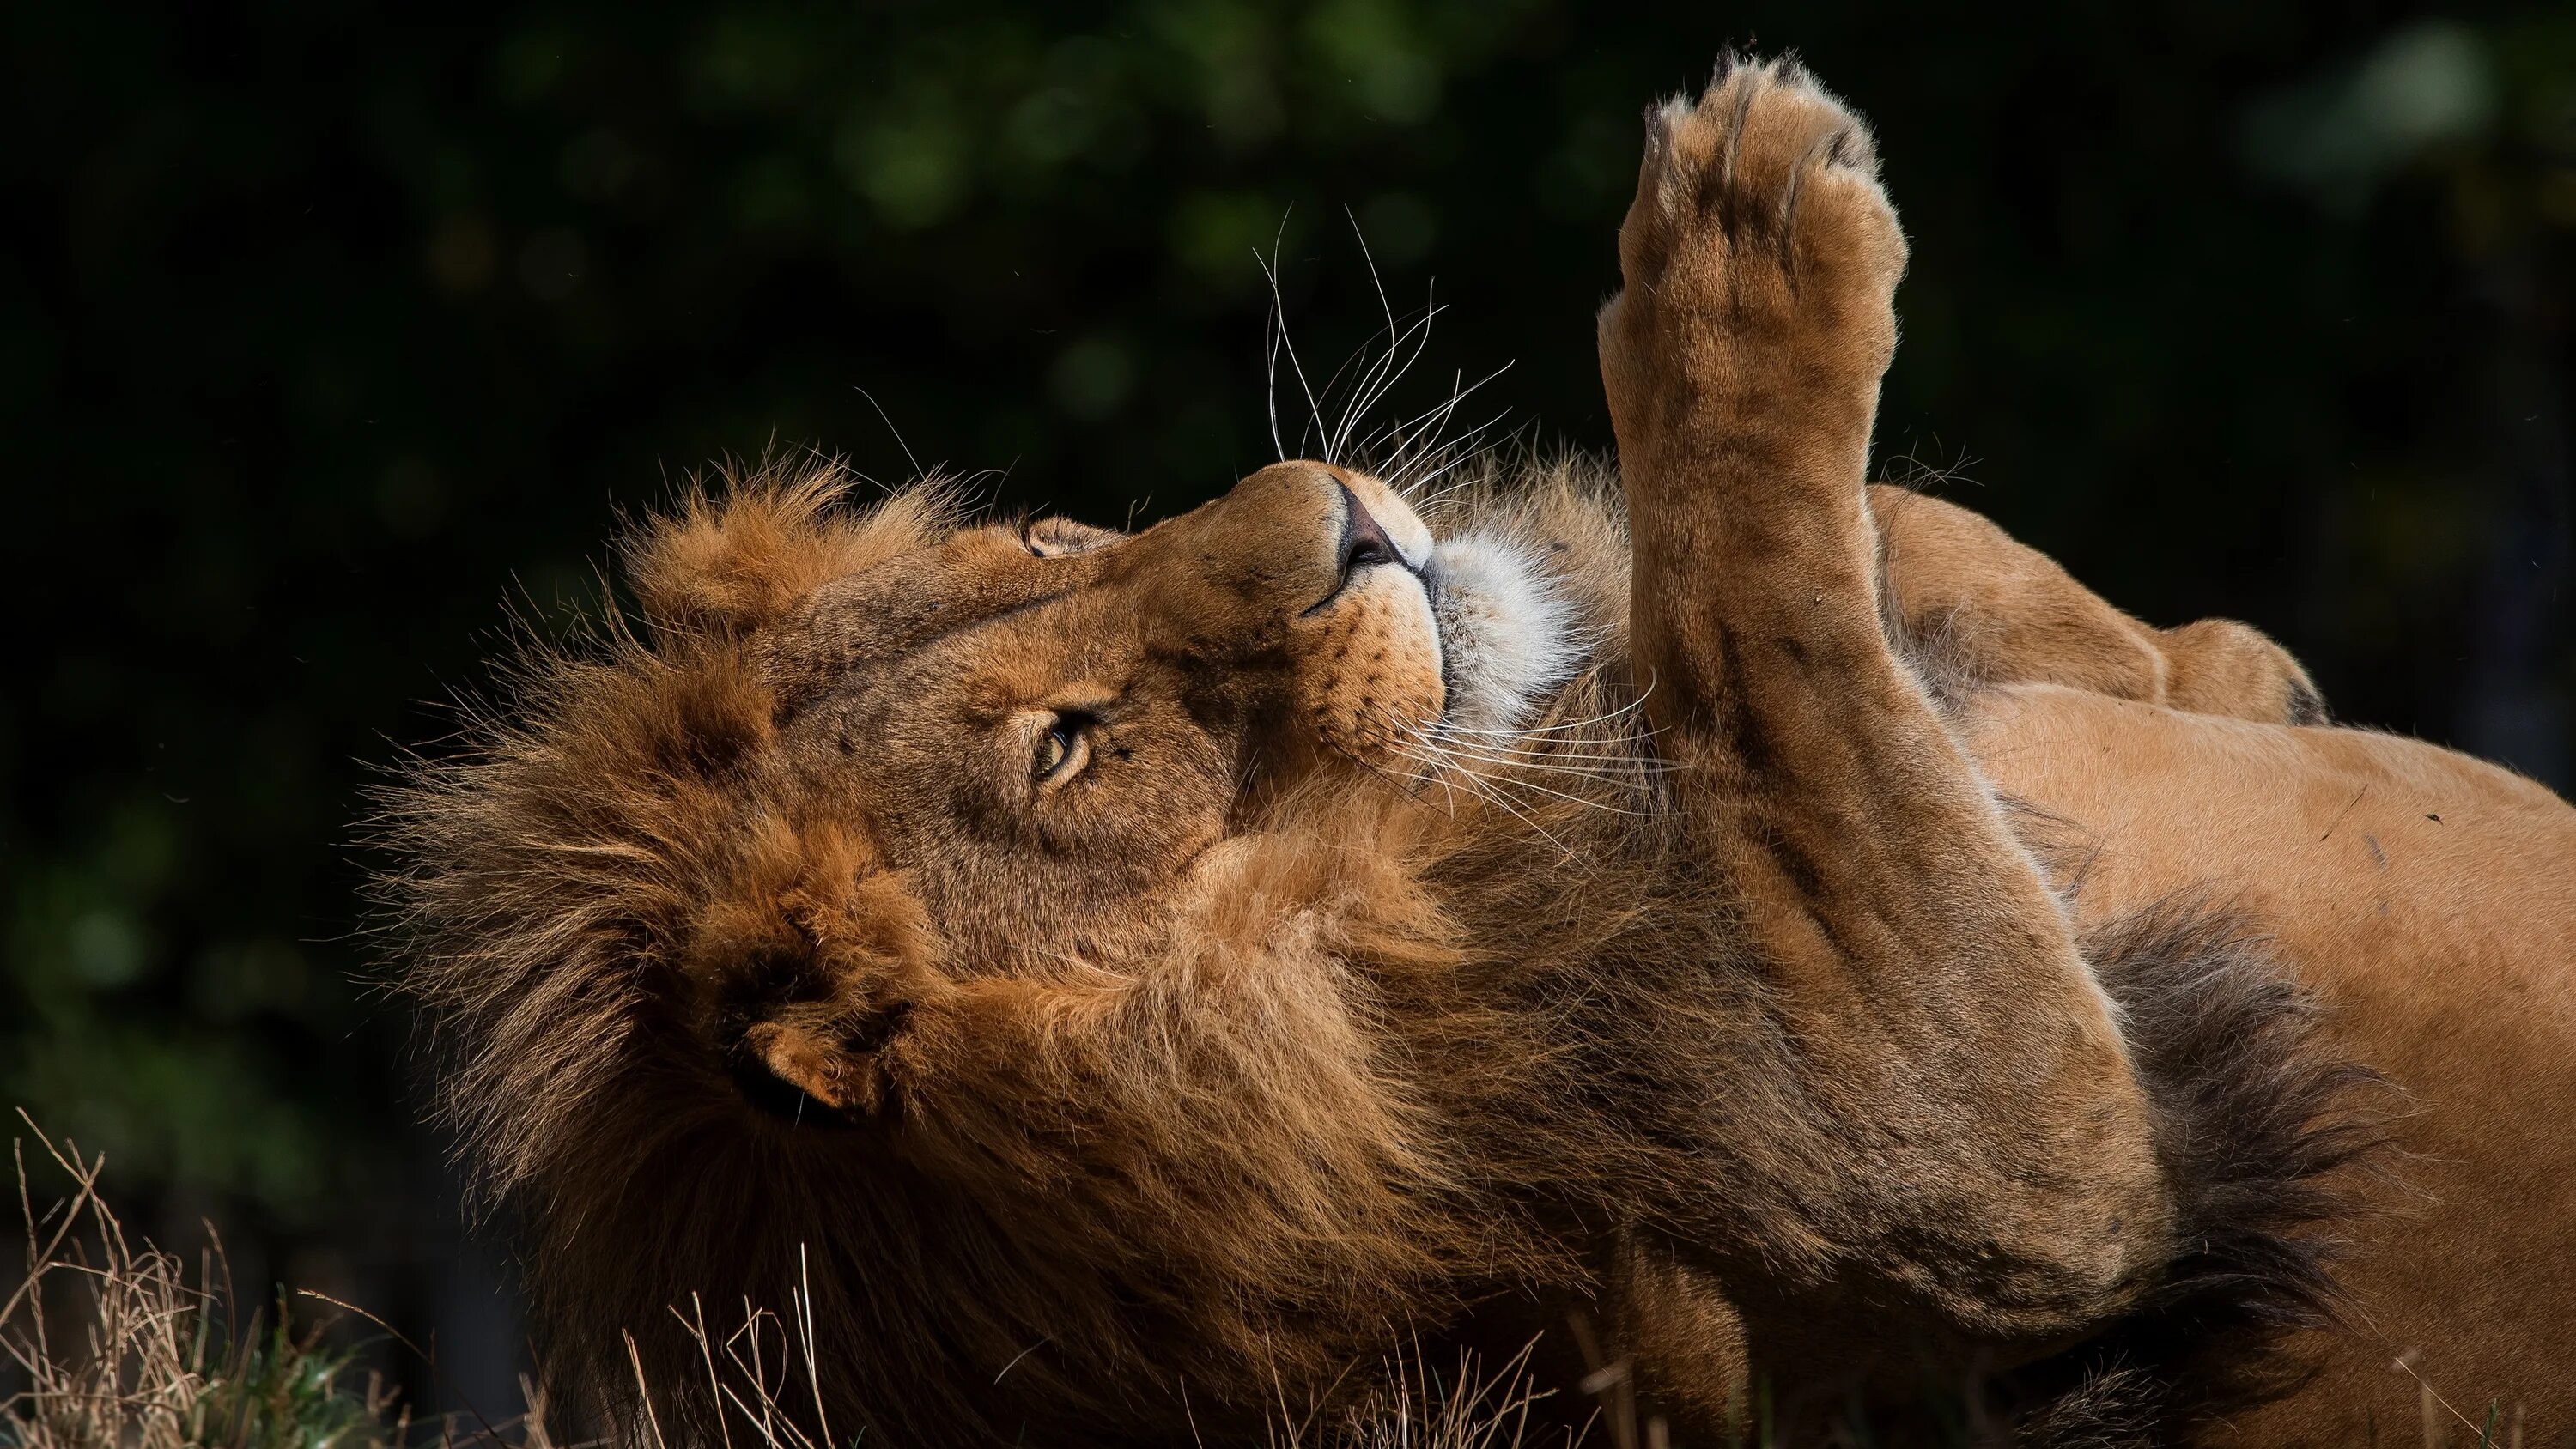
(1760,257)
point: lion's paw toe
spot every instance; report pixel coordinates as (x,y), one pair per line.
(1765,168)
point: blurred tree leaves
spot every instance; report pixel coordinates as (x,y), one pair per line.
(327,328)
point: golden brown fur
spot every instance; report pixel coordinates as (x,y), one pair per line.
(1117,980)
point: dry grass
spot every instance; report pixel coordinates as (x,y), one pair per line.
(109,1342)
(766,1366)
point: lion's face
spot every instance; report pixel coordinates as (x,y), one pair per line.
(1004,748)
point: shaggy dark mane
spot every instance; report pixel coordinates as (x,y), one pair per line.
(2268,1134)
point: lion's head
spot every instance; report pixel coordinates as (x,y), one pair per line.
(1020,738)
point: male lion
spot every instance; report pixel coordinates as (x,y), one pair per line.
(1129,985)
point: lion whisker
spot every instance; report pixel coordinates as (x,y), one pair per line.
(1420,436)
(1563,726)
(1429,752)
(1387,374)
(1279,340)
(1483,790)
(1358,407)
(1413,431)
(1467,452)
(1383,375)
(1425,438)
(1542,756)
(1609,769)
(1567,760)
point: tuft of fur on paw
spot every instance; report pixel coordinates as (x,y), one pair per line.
(1765,162)
(1759,259)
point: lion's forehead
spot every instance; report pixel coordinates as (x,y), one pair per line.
(870,622)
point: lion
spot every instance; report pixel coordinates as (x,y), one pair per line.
(1771,941)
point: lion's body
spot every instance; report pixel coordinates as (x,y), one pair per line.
(2427,898)
(1124,988)
(2430,901)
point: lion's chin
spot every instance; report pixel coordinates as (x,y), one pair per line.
(1506,631)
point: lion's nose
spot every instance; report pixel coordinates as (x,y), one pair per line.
(1364,539)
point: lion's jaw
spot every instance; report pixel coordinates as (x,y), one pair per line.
(1506,633)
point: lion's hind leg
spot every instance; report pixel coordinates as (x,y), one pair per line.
(1971,606)
(2219,666)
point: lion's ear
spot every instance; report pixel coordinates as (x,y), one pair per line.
(735,559)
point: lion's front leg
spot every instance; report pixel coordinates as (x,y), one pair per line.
(1983,1147)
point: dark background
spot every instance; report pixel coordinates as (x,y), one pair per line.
(326,330)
